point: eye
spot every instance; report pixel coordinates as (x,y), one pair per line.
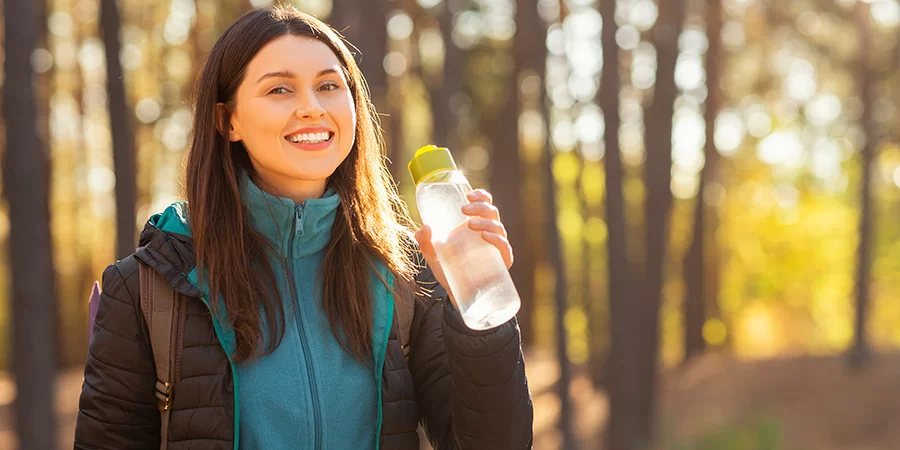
(329,86)
(278,90)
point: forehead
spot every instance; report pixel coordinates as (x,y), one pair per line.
(299,54)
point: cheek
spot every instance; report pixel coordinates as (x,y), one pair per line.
(262,123)
(351,119)
(347,120)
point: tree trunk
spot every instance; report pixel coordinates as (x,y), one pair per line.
(695,263)
(43,91)
(84,276)
(442,108)
(506,167)
(32,279)
(622,431)
(530,56)
(122,138)
(657,179)
(860,354)
(363,23)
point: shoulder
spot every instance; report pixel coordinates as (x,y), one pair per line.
(118,309)
(121,279)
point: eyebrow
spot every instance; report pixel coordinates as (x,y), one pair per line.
(289,74)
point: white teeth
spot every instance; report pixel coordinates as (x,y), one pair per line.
(310,138)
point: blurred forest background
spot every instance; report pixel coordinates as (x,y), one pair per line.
(703,196)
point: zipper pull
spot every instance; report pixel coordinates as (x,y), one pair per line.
(298,220)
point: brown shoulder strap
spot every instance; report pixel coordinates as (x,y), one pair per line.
(158,307)
(405,306)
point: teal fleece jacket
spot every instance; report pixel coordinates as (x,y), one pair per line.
(309,393)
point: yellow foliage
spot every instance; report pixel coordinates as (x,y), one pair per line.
(593,180)
(595,231)
(565,168)
(576,332)
(775,268)
(714,332)
(576,320)
(570,224)
(758,333)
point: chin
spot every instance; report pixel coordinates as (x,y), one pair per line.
(311,169)
(306,174)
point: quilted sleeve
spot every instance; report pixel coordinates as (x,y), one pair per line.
(117,408)
(470,385)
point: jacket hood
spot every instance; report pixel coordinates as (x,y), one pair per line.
(166,245)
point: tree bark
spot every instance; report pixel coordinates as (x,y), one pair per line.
(623,375)
(26,186)
(43,91)
(84,277)
(506,168)
(442,108)
(860,354)
(657,179)
(363,24)
(695,262)
(530,56)
(121,125)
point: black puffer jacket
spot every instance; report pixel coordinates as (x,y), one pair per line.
(467,388)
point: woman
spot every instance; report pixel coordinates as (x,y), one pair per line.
(295,228)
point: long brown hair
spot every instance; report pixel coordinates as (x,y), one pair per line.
(372,224)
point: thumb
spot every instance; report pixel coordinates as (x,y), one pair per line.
(423,237)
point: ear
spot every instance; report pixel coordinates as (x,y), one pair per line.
(221,113)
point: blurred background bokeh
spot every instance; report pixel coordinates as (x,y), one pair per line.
(703,196)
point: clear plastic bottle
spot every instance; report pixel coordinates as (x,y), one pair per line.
(482,287)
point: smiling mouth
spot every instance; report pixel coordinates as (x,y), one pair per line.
(310,138)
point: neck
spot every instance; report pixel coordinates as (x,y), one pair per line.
(297,190)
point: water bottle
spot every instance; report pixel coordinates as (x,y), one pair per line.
(476,274)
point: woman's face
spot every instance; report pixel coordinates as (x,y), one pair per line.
(295,114)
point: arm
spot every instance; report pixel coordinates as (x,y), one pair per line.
(117,409)
(470,385)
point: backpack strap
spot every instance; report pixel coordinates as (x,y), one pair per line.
(405,308)
(158,306)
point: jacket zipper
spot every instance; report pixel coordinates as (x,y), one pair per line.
(313,392)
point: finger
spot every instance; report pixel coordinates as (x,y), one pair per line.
(482,209)
(493,226)
(423,237)
(480,195)
(502,244)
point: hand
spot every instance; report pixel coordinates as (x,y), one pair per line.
(485,217)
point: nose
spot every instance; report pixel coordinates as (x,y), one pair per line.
(309,108)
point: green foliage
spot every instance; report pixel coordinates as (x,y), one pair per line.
(762,434)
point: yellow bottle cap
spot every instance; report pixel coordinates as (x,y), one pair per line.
(428,160)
